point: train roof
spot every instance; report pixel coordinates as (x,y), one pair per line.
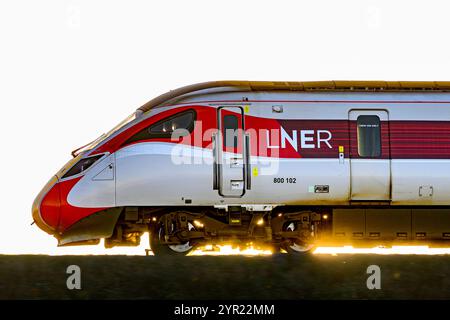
(309,86)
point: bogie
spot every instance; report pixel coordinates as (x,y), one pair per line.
(180,232)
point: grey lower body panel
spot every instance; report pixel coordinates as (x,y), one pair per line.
(391,224)
(96,226)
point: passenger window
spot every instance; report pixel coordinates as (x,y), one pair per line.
(369,136)
(230,126)
(165,127)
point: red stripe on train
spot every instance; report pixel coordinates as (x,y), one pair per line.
(400,139)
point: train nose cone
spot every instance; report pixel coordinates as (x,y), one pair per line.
(47,206)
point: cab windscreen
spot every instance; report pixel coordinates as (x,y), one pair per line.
(82,165)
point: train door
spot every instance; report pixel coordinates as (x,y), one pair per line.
(231,153)
(370,164)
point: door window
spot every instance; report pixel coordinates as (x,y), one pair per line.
(230,126)
(369,136)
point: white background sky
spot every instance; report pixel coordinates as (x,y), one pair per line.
(71,70)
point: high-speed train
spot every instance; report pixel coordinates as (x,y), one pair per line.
(287,164)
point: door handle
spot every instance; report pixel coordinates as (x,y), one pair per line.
(236,162)
(247,165)
(215,162)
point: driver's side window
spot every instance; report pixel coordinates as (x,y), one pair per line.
(183,122)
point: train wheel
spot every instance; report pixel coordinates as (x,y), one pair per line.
(159,248)
(296,246)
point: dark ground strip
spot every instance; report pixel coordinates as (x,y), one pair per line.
(226,277)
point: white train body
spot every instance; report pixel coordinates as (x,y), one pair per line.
(262,147)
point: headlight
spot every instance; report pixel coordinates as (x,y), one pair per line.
(82,165)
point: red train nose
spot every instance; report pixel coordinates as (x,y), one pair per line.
(47,207)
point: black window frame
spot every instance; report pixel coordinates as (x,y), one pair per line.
(146,133)
(79,167)
(378,152)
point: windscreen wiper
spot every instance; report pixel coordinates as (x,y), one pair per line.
(77,151)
